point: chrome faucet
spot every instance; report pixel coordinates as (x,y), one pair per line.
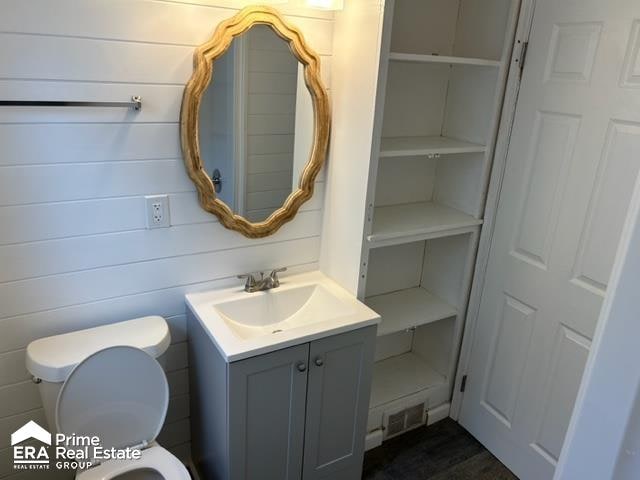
(254,284)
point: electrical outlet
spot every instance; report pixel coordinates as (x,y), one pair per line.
(157,211)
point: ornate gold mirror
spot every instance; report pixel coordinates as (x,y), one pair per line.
(255,122)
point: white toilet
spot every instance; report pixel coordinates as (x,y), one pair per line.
(107,382)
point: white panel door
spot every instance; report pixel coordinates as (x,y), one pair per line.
(572,163)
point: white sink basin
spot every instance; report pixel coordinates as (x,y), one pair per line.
(304,308)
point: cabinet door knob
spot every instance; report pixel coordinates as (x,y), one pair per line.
(301,366)
(319,361)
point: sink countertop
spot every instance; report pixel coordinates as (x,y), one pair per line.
(233,347)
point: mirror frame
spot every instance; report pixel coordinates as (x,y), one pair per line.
(203,59)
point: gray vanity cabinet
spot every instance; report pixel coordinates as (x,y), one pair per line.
(267,396)
(294,414)
(340,371)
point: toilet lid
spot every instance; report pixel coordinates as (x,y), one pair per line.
(119,394)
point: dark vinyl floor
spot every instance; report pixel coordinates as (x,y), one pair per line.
(442,451)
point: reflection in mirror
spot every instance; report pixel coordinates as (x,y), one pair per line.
(256,124)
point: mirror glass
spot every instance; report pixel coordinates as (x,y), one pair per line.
(256,124)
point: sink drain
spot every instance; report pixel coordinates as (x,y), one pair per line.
(276,331)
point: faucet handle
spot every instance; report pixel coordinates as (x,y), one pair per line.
(274,275)
(251,280)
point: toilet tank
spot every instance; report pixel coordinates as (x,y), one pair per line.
(50,360)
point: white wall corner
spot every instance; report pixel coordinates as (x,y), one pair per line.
(355,62)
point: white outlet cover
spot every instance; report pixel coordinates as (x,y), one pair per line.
(157,211)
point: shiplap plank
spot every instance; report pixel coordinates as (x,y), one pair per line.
(262,182)
(176,357)
(18,331)
(44,293)
(84,59)
(269,124)
(10,424)
(175,433)
(17,398)
(44,221)
(38,222)
(269,144)
(182,451)
(6,462)
(36,259)
(54,183)
(30,57)
(178,408)
(278,83)
(265,103)
(27,144)
(274,62)
(269,163)
(121,19)
(13,368)
(178,382)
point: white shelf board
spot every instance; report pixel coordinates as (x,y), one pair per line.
(415,221)
(400,376)
(408,308)
(413,146)
(417,58)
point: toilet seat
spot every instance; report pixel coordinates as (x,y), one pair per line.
(119,394)
(154,458)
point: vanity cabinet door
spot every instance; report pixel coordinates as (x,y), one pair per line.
(340,370)
(267,396)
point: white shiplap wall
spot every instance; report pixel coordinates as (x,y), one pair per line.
(74,251)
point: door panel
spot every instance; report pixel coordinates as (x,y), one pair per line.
(551,148)
(570,356)
(614,186)
(267,396)
(572,163)
(337,404)
(509,355)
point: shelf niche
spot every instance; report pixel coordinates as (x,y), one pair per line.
(463,28)
(419,285)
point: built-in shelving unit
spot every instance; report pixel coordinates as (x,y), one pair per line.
(401,223)
(440,93)
(407,309)
(401,376)
(431,145)
(412,57)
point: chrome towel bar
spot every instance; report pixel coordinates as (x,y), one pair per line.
(135,103)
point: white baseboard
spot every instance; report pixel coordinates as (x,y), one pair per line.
(438,413)
(373,440)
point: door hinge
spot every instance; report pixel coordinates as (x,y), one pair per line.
(463,383)
(522,57)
